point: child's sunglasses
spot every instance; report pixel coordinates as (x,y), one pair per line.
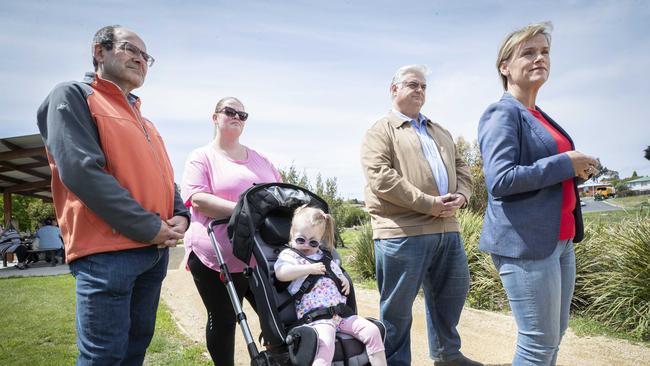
(312,243)
(231,112)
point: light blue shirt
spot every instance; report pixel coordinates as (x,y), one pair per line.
(430,150)
(49,237)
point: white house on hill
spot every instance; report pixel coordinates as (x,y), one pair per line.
(639,184)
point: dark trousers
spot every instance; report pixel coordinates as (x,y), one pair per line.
(21,253)
(220,327)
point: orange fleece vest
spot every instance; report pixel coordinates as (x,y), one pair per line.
(135,156)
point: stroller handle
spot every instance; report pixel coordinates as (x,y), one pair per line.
(216,222)
(226,278)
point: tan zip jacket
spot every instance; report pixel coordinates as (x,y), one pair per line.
(400,186)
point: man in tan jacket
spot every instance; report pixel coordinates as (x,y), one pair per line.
(416,180)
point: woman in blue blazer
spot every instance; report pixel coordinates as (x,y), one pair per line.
(532,219)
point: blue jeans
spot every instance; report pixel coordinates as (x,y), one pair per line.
(117,299)
(438,263)
(539,292)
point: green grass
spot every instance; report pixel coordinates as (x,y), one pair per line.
(615,216)
(170,347)
(630,201)
(350,237)
(586,327)
(39,327)
(633,206)
(39,322)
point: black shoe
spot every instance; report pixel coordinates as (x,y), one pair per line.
(460,361)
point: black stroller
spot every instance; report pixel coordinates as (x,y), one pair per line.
(260,227)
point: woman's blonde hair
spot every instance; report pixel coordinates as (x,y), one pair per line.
(315,216)
(517,37)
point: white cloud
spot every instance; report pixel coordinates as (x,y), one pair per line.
(314,77)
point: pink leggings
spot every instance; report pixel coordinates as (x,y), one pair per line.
(358,327)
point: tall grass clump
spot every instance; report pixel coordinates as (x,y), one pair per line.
(363,252)
(614,283)
(588,254)
(486,291)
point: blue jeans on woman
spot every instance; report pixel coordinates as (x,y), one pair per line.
(117,299)
(539,292)
(438,263)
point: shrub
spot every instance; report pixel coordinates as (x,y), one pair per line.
(613,283)
(362,258)
(348,215)
(486,290)
(586,267)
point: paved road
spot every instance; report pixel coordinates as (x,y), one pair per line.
(598,206)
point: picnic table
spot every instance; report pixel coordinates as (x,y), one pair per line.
(9,255)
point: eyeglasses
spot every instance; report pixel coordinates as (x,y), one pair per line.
(231,112)
(134,51)
(312,243)
(414,85)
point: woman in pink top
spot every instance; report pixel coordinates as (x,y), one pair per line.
(215,175)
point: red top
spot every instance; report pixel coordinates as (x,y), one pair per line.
(567,223)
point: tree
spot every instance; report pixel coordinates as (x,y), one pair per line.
(647,153)
(28,211)
(471,153)
(291,175)
(604,173)
(634,175)
(327,189)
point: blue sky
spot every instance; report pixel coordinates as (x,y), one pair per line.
(314,75)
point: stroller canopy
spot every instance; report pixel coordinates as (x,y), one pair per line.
(267,208)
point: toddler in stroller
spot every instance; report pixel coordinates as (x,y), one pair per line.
(259,231)
(319,287)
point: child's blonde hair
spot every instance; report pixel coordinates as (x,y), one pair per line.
(315,216)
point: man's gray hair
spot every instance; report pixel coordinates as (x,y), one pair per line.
(105,37)
(418,69)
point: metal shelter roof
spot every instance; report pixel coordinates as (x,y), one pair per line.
(24,168)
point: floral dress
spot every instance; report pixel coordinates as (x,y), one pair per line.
(325,293)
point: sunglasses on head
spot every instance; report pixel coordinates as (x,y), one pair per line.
(312,243)
(231,112)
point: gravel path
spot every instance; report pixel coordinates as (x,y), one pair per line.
(487,337)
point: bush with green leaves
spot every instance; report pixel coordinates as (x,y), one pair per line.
(486,290)
(348,215)
(613,275)
(362,258)
(28,211)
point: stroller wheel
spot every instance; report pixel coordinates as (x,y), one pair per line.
(263,359)
(303,344)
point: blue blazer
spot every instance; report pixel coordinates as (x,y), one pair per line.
(523,175)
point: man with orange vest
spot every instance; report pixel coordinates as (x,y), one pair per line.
(115,199)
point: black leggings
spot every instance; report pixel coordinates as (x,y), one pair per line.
(220,328)
(20,252)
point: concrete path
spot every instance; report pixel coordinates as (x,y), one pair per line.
(34,270)
(487,337)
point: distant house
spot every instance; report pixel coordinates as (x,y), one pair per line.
(589,187)
(639,184)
